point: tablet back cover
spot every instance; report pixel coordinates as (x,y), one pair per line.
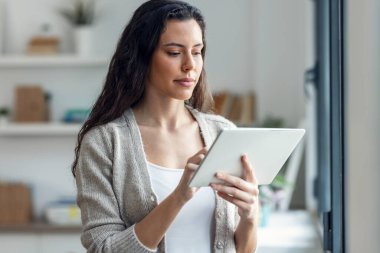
(267,149)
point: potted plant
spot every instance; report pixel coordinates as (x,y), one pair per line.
(81,16)
(271,196)
(82,13)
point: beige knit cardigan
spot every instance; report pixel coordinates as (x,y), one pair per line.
(115,192)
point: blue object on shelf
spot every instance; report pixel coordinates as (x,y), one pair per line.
(76,115)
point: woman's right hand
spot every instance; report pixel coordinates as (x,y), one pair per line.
(183,192)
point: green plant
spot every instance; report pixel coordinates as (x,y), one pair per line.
(4,111)
(81,13)
(273,122)
(273,193)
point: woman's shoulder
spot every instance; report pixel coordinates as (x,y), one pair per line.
(109,129)
(214,119)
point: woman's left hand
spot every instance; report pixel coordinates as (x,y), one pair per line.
(242,192)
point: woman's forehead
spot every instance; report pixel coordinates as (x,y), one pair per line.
(182,32)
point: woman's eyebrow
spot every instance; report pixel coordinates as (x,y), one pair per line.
(171,44)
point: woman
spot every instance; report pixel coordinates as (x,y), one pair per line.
(145,137)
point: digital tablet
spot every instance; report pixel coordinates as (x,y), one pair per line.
(267,149)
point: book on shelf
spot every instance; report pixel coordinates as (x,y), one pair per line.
(43,45)
(15,204)
(30,104)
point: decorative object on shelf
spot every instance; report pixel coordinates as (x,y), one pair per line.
(76,115)
(43,43)
(273,122)
(4,115)
(63,212)
(239,108)
(271,196)
(15,204)
(83,37)
(30,104)
(82,13)
(81,16)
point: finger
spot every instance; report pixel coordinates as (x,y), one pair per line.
(234,192)
(199,156)
(204,151)
(191,167)
(188,174)
(249,174)
(196,159)
(235,181)
(240,204)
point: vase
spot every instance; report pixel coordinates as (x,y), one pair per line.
(265,211)
(4,120)
(83,36)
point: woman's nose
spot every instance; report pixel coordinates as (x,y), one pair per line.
(188,63)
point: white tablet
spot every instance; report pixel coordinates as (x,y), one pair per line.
(267,149)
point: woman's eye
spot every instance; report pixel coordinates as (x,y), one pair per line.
(197,53)
(173,53)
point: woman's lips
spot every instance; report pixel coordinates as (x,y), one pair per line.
(187,82)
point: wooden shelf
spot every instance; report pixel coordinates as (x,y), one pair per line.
(40,227)
(39,129)
(17,61)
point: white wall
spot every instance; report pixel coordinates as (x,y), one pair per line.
(363,119)
(281,39)
(229,61)
(252,45)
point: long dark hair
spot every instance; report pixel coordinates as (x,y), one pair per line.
(125,82)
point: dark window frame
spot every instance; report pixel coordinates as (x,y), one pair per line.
(331,129)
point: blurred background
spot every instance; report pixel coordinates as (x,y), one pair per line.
(270,63)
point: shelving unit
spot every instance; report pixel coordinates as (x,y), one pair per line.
(68,60)
(40,227)
(39,129)
(40,154)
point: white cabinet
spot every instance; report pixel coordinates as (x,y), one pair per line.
(60,243)
(41,243)
(290,232)
(18,244)
(40,154)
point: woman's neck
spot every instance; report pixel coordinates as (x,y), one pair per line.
(170,115)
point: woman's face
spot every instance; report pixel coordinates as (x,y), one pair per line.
(177,62)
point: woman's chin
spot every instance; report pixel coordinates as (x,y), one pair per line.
(184,96)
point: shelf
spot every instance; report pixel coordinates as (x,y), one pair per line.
(17,61)
(39,129)
(290,231)
(40,227)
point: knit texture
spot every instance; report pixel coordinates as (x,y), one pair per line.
(114,191)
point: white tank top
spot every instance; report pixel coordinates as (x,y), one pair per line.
(192,229)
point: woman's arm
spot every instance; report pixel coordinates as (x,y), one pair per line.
(153,227)
(103,228)
(246,235)
(244,194)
